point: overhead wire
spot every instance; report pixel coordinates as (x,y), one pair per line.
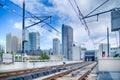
(15,12)
(97,7)
(80,16)
(9,9)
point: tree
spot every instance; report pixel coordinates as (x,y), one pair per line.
(1,53)
(44,56)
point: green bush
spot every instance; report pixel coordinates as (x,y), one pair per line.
(18,58)
(44,56)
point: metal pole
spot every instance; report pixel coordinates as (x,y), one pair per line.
(79,52)
(108,40)
(23,28)
(119,43)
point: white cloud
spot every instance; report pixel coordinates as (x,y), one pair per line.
(2,41)
(66,14)
(18,25)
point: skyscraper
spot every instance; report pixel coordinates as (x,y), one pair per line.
(13,43)
(67,41)
(34,40)
(56,46)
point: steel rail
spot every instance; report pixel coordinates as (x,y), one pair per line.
(31,71)
(57,75)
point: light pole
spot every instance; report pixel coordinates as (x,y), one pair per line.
(108,41)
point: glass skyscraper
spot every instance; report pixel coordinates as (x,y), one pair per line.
(67,41)
(56,46)
(34,40)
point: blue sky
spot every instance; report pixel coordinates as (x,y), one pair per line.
(62,13)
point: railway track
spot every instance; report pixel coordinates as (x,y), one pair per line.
(46,73)
(31,72)
(70,74)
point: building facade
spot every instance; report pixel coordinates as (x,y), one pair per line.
(13,43)
(2,48)
(76,52)
(83,50)
(103,50)
(56,46)
(34,40)
(67,41)
(90,55)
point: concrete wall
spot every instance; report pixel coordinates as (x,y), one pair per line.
(109,64)
(76,53)
(54,57)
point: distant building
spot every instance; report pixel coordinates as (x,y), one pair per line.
(2,48)
(76,52)
(34,40)
(83,50)
(13,43)
(67,41)
(103,50)
(114,50)
(90,55)
(34,52)
(48,51)
(60,49)
(56,46)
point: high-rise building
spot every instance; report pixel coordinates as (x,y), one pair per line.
(2,48)
(67,41)
(56,46)
(13,43)
(34,40)
(61,49)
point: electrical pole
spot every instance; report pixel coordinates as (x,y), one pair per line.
(23,28)
(119,43)
(108,40)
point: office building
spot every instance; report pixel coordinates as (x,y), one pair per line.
(13,43)
(67,41)
(2,48)
(76,56)
(56,46)
(34,40)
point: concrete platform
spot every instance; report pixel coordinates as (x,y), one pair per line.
(109,64)
(109,76)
